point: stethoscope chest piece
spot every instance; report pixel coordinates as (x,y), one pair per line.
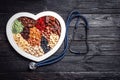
(32,65)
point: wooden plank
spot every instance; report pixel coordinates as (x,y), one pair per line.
(102,45)
(38,6)
(96,33)
(102,1)
(60,76)
(68,64)
(81,5)
(100,20)
(22,6)
(98,4)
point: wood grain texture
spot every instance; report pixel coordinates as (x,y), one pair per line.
(101,63)
(68,64)
(91,6)
(61,76)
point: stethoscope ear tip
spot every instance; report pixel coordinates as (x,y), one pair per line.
(32,66)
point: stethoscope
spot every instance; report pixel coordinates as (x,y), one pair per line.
(71,16)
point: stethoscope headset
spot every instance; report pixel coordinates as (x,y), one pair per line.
(71,16)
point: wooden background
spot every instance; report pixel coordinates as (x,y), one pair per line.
(101,63)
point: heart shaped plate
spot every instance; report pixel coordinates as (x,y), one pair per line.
(36,37)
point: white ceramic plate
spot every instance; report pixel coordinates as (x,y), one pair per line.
(35,17)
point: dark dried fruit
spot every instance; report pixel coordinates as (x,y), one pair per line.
(27,22)
(25,33)
(44,44)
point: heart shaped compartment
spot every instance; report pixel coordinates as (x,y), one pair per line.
(36,37)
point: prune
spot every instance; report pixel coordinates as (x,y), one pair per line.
(44,44)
